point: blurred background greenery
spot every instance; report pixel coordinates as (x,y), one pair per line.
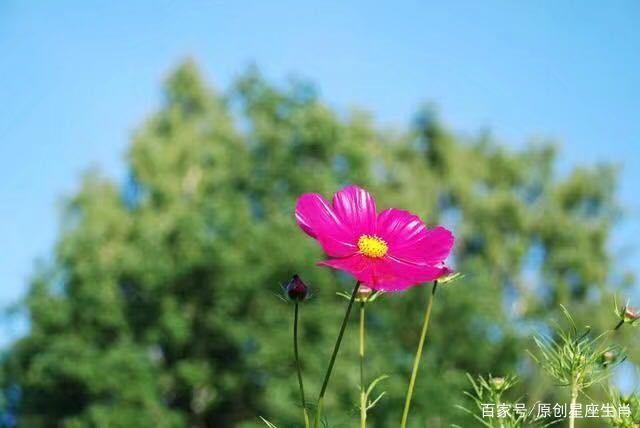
(159,307)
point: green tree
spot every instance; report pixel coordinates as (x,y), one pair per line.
(159,310)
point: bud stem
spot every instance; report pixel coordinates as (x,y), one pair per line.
(619,324)
(298,369)
(574,399)
(418,357)
(332,361)
(363,394)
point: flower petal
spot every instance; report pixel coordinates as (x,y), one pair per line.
(436,245)
(357,210)
(399,227)
(357,265)
(317,218)
(387,273)
(398,275)
(409,239)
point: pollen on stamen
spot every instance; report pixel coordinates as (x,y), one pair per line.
(372,246)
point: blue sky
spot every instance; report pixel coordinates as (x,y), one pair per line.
(77,77)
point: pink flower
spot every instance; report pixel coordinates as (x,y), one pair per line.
(390,251)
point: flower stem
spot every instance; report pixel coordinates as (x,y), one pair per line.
(619,325)
(498,403)
(363,394)
(298,369)
(418,357)
(332,361)
(574,398)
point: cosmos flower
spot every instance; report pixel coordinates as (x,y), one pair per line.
(389,251)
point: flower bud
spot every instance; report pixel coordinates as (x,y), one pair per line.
(630,315)
(608,358)
(497,383)
(364,293)
(296,290)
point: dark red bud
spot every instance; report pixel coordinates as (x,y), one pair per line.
(296,289)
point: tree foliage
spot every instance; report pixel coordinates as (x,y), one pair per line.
(159,307)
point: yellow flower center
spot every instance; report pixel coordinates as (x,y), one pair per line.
(372,246)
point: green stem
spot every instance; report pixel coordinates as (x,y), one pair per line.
(619,325)
(574,398)
(418,357)
(498,403)
(298,369)
(332,361)
(363,393)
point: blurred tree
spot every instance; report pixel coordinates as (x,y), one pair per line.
(159,307)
